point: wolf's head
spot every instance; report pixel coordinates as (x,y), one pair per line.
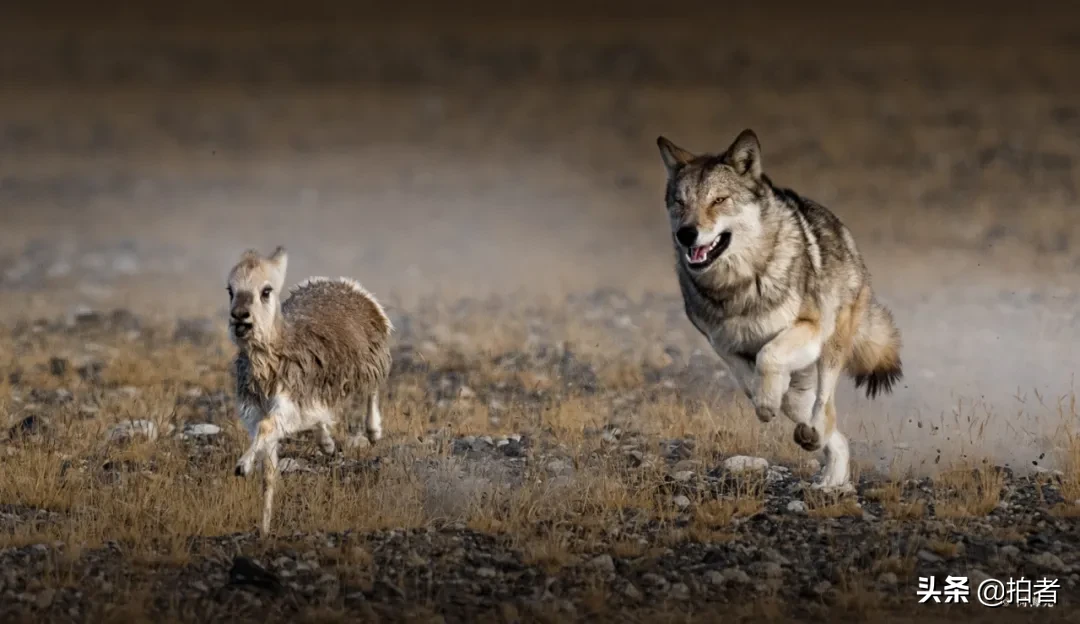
(713,200)
(254,288)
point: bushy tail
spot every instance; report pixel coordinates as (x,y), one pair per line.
(875,355)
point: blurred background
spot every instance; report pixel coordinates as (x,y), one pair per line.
(508,149)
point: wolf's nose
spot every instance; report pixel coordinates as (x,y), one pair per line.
(686,235)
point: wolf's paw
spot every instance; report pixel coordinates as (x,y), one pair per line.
(829,486)
(807,437)
(765,413)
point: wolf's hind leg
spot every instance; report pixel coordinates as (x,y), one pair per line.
(822,429)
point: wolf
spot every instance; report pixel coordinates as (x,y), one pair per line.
(776,284)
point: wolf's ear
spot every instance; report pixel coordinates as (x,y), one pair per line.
(673,155)
(280,260)
(744,155)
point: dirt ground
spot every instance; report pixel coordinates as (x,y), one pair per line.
(559,437)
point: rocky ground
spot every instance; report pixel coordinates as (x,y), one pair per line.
(528,484)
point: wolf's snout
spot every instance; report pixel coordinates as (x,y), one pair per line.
(686,235)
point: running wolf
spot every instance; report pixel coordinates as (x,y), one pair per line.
(776,284)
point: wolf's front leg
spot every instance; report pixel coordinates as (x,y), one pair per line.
(793,349)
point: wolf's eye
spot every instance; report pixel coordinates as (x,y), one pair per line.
(719,200)
(266,293)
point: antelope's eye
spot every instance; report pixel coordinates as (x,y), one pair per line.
(266,293)
(228,289)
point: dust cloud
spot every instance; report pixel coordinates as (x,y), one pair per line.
(514,156)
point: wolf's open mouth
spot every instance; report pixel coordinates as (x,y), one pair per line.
(702,256)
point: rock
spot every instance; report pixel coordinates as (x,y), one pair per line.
(289,464)
(777,474)
(888,579)
(466,393)
(715,577)
(655,580)
(83,317)
(797,507)
(769,569)
(201,429)
(603,563)
(741,463)
(29,426)
(929,557)
(681,501)
(124,320)
(735,575)
(1009,551)
(976,577)
(679,591)
(1050,561)
(559,467)
(631,592)
(821,588)
(683,476)
(45,598)
(486,572)
(130,429)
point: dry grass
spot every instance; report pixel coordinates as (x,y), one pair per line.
(969,492)
(890,495)
(827,505)
(154,496)
(574,495)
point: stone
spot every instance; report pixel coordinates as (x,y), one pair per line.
(741,463)
(130,429)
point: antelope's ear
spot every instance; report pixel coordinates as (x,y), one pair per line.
(744,155)
(280,261)
(674,156)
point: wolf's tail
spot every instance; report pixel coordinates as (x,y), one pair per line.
(875,354)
